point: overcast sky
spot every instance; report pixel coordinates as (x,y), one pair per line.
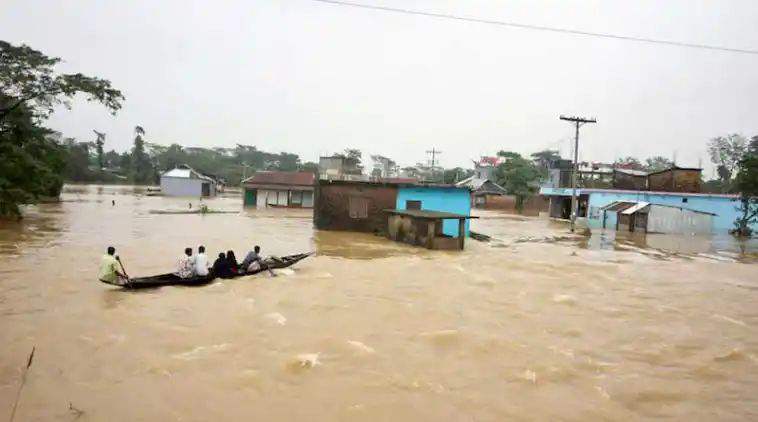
(314,78)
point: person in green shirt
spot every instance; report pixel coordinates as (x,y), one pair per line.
(109,269)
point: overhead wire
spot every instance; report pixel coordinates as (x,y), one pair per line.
(539,27)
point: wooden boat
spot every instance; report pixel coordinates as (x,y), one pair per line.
(171,279)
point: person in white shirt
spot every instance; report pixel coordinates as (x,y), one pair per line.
(186,266)
(201,262)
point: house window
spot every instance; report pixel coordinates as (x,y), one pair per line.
(296,197)
(413,205)
(358,207)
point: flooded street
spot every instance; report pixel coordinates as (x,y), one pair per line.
(534,325)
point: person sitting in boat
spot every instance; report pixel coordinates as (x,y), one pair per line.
(234,267)
(201,262)
(186,267)
(109,266)
(253,262)
(221,266)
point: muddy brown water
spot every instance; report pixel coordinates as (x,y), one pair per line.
(535,325)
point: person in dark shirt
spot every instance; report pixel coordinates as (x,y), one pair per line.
(221,267)
(232,261)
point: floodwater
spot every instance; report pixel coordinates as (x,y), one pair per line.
(534,325)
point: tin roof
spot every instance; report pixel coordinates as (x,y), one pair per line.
(638,206)
(676,168)
(290,178)
(185,172)
(631,172)
(474,183)
(427,214)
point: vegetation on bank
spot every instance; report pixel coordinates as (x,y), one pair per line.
(36,160)
(32,160)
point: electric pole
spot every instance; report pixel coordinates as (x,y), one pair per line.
(434,153)
(577,121)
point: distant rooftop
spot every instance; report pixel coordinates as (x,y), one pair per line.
(301,178)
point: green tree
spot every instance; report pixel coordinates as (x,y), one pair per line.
(30,89)
(726,152)
(352,162)
(99,145)
(309,166)
(545,157)
(77,161)
(747,184)
(520,177)
(142,170)
(657,163)
(31,162)
(112,159)
(456,174)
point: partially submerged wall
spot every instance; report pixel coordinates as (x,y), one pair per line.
(353,206)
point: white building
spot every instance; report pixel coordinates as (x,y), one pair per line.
(185,181)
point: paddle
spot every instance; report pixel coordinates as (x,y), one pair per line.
(122,267)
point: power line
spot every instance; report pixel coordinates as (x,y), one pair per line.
(539,27)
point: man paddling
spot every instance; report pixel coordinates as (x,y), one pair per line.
(254,262)
(109,269)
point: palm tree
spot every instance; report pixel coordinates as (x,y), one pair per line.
(139,130)
(99,144)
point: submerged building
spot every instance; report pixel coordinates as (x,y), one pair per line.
(647,211)
(368,207)
(186,181)
(292,189)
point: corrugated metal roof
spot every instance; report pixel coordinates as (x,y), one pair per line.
(631,172)
(186,172)
(299,178)
(618,205)
(177,172)
(474,183)
(638,206)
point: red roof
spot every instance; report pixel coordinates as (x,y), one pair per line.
(299,178)
(492,161)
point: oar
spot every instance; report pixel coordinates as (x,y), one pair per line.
(122,267)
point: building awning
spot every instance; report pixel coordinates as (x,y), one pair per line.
(636,207)
(429,214)
(618,206)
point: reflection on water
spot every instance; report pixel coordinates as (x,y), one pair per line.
(537,324)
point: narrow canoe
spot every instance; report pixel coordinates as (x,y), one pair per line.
(171,279)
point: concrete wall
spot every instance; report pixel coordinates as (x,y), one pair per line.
(629,181)
(725,208)
(454,200)
(532,207)
(176,186)
(677,180)
(268,197)
(331,208)
(675,220)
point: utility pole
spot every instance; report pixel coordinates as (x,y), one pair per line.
(577,121)
(434,153)
(244,171)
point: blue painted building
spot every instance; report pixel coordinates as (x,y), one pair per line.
(437,198)
(592,203)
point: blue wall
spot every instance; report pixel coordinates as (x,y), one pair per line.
(725,208)
(451,199)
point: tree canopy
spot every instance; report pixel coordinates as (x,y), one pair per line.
(520,177)
(726,152)
(33,161)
